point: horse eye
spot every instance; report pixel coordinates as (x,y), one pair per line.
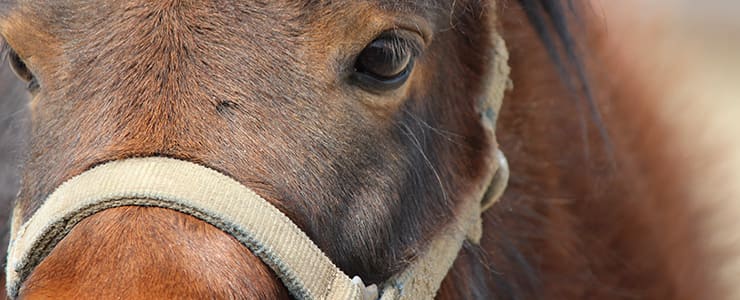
(385,64)
(21,70)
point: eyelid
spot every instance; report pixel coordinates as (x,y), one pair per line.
(417,25)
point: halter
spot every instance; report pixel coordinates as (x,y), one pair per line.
(235,209)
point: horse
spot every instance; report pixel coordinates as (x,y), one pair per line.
(368,124)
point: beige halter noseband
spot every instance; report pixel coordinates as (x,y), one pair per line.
(228,205)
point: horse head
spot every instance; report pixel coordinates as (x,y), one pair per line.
(367,123)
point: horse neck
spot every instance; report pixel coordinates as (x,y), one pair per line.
(576,221)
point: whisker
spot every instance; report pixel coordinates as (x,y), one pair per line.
(417,144)
(448,135)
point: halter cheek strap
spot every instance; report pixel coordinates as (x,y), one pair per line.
(228,205)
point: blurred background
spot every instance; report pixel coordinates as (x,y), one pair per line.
(690,51)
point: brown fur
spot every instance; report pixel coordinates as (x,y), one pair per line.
(257,90)
(152,253)
(579,228)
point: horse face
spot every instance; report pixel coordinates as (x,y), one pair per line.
(358,119)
